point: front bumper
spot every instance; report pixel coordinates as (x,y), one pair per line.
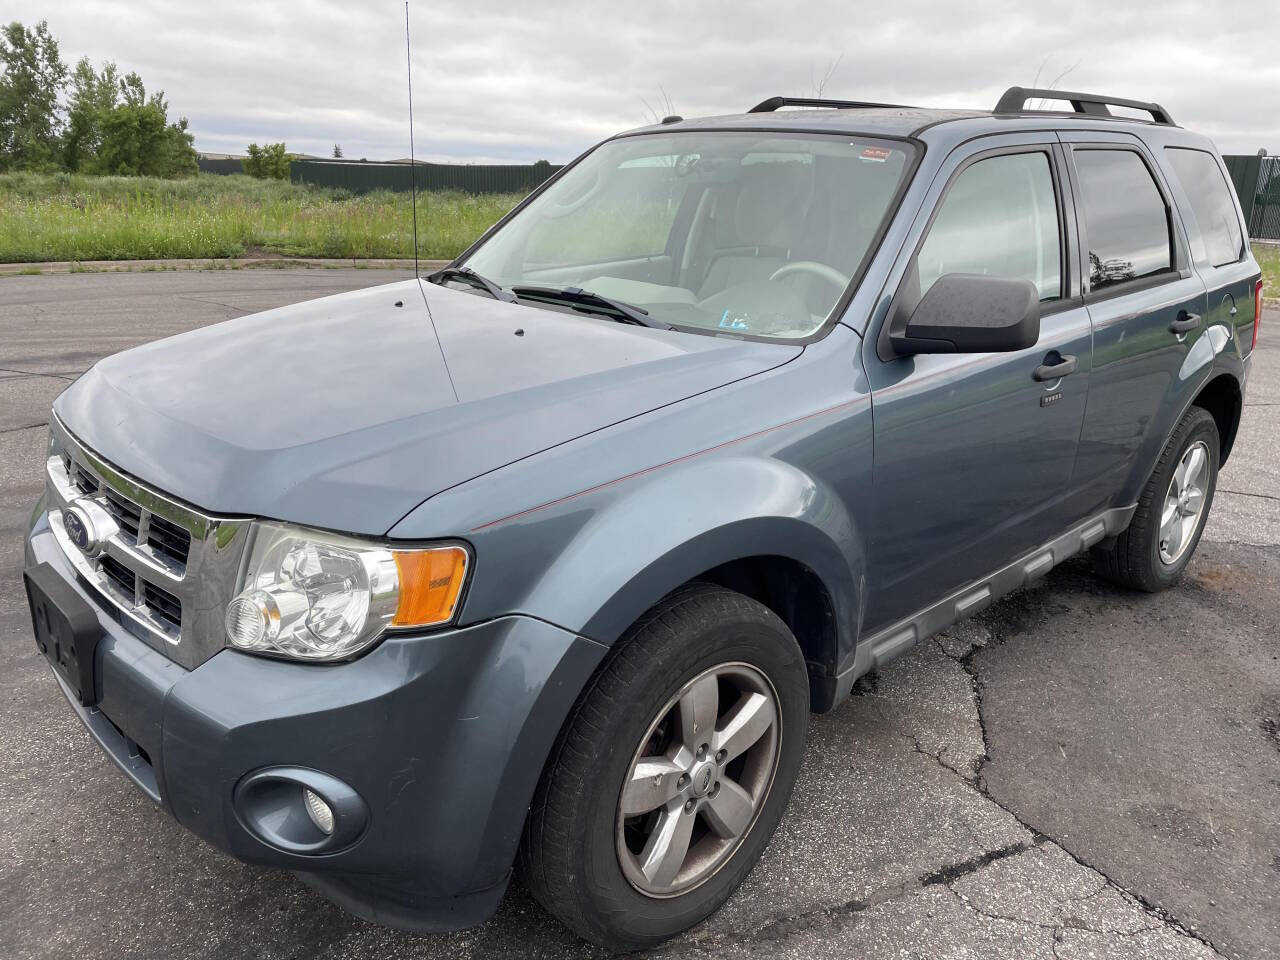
(443,736)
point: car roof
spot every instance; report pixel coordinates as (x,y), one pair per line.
(885,121)
(926,123)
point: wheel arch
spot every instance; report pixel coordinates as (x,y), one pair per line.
(1211,379)
(790,566)
(801,599)
(1224,400)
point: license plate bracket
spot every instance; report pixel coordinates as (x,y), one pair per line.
(66,629)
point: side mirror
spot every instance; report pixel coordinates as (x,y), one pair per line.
(972,313)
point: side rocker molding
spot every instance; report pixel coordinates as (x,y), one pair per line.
(878,649)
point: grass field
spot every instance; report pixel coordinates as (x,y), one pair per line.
(1268,257)
(64,217)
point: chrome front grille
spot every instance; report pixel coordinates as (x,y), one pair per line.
(84,481)
(164,570)
(127,515)
(120,578)
(169,540)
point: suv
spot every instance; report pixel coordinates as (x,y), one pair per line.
(546,560)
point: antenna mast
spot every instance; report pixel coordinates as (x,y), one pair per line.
(413,164)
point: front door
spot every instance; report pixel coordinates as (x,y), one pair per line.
(973,454)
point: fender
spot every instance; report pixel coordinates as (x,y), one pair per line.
(688,520)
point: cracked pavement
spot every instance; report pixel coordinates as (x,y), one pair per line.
(1077,772)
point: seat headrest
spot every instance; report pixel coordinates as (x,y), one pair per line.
(769,207)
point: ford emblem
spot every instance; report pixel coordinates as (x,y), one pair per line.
(80,531)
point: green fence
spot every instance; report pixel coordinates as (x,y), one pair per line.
(360,176)
(1257,183)
(223,165)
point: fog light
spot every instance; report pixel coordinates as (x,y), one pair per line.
(300,811)
(321,813)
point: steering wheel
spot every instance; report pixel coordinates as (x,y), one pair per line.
(815,269)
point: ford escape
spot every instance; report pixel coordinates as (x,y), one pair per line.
(539,565)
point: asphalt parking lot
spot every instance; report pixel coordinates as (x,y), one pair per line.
(1078,772)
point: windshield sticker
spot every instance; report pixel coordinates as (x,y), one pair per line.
(733,323)
(874,155)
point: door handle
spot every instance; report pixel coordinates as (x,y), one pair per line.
(1055,369)
(1184,322)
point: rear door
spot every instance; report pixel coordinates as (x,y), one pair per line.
(1146,307)
(972,454)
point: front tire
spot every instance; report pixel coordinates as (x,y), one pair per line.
(1154,550)
(672,773)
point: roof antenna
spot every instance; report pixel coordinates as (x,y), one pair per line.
(413,164)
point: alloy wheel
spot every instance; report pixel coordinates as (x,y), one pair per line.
(698,779)
(1184,503)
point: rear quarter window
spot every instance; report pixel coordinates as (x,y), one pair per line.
(1212,224)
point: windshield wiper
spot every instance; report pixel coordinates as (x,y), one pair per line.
(614,309)
(467,275)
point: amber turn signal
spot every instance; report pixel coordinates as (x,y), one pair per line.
(430,584)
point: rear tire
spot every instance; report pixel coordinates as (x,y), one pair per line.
(1156,547)
(695,679)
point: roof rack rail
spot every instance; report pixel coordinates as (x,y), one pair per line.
(1015,98)
(774,103)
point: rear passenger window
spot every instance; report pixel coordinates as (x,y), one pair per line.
(999,218)
(1126,222)
(1213,226)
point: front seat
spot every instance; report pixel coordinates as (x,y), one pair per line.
(755,226)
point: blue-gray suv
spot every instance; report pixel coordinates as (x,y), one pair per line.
(540,564)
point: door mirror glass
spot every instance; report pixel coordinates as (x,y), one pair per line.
(972,313)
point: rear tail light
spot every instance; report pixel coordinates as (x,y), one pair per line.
(1257,311)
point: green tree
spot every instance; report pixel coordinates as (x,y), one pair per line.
(94,95)
(137,138)
(337,151)
(33,76)
(270,161)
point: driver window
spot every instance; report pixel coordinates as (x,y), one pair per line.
(998,218)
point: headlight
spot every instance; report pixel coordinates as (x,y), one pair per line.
(319,596)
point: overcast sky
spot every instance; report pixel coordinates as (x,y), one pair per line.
(515,81)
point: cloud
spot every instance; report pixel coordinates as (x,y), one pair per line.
(515,82)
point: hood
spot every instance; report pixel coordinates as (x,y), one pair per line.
(348,411)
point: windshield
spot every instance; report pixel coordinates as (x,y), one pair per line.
(742,233)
